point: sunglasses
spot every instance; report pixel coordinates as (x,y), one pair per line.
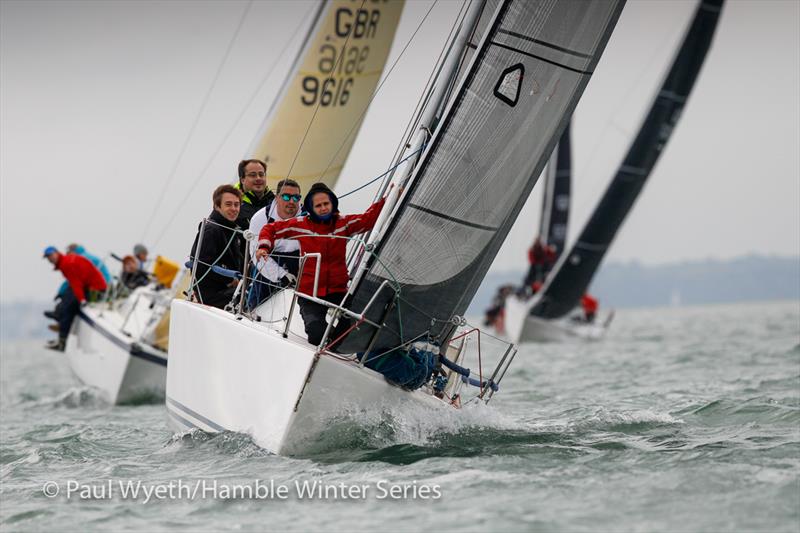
(286,197)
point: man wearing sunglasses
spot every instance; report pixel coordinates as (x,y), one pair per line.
(280,268)
(255,192)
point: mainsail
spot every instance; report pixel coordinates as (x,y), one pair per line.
(500,126)
(311,126)
(555,201)
(573,273)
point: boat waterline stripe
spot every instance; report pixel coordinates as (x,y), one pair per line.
(545,43)
(198,416)
(453,219)
(556,63)
(180,419)
(133,350)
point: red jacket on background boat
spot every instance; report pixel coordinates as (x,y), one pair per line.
(81,274)
(325,238)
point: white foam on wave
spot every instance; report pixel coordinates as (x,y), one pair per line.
(604,417)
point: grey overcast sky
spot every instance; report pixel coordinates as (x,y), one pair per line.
(97,99)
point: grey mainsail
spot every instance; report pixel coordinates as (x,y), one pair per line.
(500,126)
(572,275)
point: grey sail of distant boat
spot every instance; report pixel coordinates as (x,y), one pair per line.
(500,125)
(573,273)
(555,201)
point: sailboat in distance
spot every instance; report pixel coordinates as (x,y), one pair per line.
(486,132)
(543,317)
(120,346)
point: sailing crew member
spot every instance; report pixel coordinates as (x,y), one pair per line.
(98,264)
(279,269)
(541,258)
(253,186)
(496,313)
(140,253)
(96,261)
(222,246)
(322,230)
(86,283)
(132,276)
(589,305)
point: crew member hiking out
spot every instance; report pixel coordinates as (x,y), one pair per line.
(323,230)
(86,283)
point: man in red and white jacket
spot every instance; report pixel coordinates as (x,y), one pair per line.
(85,282)
(322,230)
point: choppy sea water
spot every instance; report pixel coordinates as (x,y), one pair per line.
(682,419)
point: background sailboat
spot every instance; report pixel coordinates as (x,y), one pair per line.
(573,273)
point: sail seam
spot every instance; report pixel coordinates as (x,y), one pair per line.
(545,43)
(671,95)
(591,247)
(636,171)
(453,219)
(540,58)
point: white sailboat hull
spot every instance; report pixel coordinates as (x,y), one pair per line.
(521,327)
(229,374)
(104,355)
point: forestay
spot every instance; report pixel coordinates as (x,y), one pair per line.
(573,273)
(312,125)
(500,126)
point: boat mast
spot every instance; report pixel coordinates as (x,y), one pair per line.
(574,271)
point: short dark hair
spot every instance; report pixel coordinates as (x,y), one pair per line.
(288,182)
(222,189)
(244,162)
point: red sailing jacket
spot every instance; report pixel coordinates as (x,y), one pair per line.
(541,255)
(80,274)
(589,304)
(312,236)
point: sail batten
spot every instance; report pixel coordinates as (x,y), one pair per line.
(496,133)
(573,273)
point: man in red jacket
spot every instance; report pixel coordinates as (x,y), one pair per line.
(323,230)
(85,283)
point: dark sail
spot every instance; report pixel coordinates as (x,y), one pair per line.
(501,124)
(573,273)
(555,202)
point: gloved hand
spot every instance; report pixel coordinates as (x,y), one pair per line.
(288,279)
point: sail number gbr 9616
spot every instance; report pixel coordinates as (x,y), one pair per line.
(338,67)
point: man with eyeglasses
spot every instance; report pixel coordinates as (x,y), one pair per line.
(255,193)
(279,270)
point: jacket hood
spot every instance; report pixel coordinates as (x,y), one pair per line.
(308,204)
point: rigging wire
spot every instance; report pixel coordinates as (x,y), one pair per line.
(199,114)
(319,100)
(238,119)
(427,90)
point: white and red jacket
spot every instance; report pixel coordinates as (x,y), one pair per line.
(324,238)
